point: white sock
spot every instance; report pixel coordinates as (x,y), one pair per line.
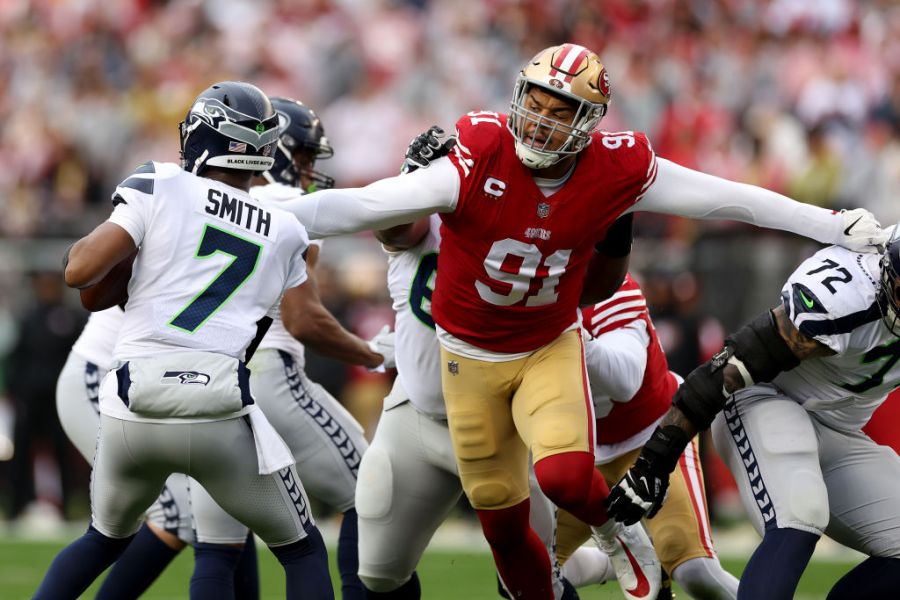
(705,578)
(588,566)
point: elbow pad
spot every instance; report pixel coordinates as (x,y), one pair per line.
(757,350)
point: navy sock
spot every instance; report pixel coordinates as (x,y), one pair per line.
(775,568)
(305,565)
(77,566)
(246,575)
(348,559)
(411,590)
(875,577)
(214,566)
(142,562)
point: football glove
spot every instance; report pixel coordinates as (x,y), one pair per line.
(425,148)
(640,493)
(861,232)
(383,344)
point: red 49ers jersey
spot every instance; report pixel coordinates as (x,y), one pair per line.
(654,397)
(512,261)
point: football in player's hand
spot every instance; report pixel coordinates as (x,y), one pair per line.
(112,289)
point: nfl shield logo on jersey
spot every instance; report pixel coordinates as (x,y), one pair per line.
(543,210)
(453,367)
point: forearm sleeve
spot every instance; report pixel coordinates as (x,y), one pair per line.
(688,193)
(385,203)
(616,362)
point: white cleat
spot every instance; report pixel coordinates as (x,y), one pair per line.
(631,554)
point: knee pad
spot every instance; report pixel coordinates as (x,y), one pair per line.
(670,544)
(493,488)
(375,488)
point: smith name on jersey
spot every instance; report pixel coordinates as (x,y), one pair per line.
(212,266)
(831,298)
(513,256)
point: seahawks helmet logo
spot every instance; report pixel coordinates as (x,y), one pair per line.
(184,378)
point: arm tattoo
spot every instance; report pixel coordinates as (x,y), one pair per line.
(677,418)
(801,345)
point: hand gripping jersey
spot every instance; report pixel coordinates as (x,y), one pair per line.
(98,338)
(212,262)
(513,260)
(831,298)
(620,419)
(411,280)
(278,337)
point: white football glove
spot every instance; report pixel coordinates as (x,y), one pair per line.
(383,344)
(861,232)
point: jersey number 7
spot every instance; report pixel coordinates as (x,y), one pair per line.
(244,258)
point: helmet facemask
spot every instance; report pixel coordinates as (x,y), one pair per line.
(569,72)
(301,143)
(889,289)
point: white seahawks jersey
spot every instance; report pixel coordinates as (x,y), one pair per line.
(278,337)
(411,278)
(212,262)
(831,298)
(98,338)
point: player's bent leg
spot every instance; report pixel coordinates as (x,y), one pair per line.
(408,486)
(863,481)
(326,441)
(770,446)
(77,392)
(493,468)
(224,462)
(705,578)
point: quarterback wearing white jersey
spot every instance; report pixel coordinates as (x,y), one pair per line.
(211,266)
(798,383)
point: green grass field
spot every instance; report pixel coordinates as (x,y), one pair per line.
(444,575)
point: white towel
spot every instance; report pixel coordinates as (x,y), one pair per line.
(272,454)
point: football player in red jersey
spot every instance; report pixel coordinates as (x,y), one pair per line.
(632,389)
(525,199)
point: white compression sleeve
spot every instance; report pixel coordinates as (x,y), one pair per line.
(379,205)
(688,193)
(616,361)
(588,566)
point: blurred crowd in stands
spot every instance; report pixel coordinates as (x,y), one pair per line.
(797,96)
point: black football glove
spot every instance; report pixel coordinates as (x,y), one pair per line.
(425,148)
(642,491)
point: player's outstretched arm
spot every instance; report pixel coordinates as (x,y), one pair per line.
(758,352)
(93,256)
(688,193)
(608,266)
(307,319)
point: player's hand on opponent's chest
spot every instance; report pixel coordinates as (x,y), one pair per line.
(426,147)
(861,231)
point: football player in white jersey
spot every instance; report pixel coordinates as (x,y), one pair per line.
(326,441)
(794,387)
(210,269)
(168,528)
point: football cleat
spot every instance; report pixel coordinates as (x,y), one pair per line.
(631,553)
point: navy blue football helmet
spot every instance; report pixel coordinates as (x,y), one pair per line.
(889,292)
(301,142)
(232,125)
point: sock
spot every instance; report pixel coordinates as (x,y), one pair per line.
(705,578)
(214,566)
(411,590)
(875,577)
(775,568)
(573,484)
(519,553)
(246,574)
(77,566)
(588,566)
(143,561)
(305,565)
(348,559)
